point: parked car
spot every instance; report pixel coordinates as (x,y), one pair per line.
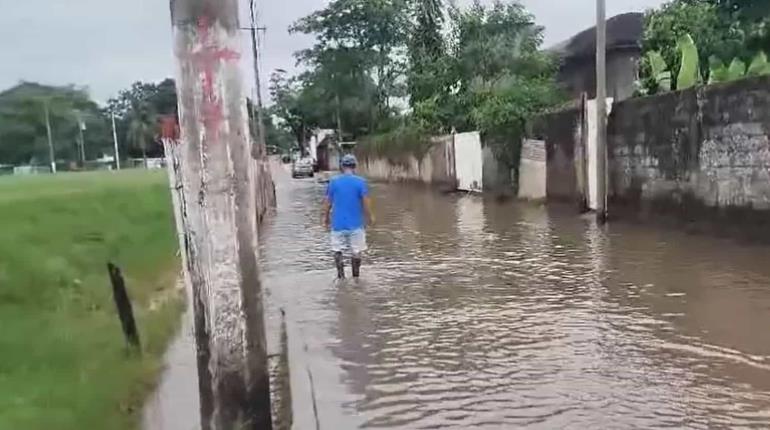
(302,168)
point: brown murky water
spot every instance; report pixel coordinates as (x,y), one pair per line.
(475,314)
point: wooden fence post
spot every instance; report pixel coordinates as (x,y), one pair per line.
(123,305)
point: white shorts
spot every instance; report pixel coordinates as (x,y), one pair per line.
(353,240)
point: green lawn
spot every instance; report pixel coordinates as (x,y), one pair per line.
(63,360)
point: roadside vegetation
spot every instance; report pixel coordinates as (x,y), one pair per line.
(382,72)
(28,110)
(391,73)
(65,364)
(696,42)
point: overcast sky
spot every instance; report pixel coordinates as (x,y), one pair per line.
(108,44)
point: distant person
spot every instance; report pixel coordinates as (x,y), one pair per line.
(347,202)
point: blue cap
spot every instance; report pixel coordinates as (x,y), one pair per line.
(349,160)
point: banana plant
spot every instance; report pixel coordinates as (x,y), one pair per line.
(718,71)
(689,73)
(737,70)
(759,66)
(660,72)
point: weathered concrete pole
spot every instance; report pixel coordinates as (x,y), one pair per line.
(601,109)
(51,152)
(217,179)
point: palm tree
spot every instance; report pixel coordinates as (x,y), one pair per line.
(141,128)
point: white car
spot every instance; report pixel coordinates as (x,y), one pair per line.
(302,168)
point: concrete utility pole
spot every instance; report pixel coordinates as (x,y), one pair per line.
(257,105)
(51,152)
(217,178)
(81,138)
(601,109)
(115,142)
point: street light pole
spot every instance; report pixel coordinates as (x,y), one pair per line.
(51,152)
(601,109)
(115,142)
(80,139)
(81,127)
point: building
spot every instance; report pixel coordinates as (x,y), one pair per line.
(318,137)
(624,50)
(328,153)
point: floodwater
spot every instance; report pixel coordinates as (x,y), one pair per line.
(478,314)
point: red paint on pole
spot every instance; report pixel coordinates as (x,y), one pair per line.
(169,128)
(208,58)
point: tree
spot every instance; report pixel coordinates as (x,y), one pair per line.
(142,128)
(713,35)
(358,42)
(160,97)
(488,75)
(753,17)
(289,108)
(503,79)
(427,52)
(138,111)
(278,137)
(722,30)
(277,134)
(23,133)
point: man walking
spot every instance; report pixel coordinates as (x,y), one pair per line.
(347,202)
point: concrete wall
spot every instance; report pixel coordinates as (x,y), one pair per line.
(532,171)
(435,168)
(697,156)
(698,152)
(561,133)
(497,177)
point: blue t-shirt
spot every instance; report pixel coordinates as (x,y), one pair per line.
(346,194)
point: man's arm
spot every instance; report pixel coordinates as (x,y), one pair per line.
(327,208)
(326,213)
(368,210)
(366,201)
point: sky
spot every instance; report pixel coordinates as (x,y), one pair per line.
(105,45)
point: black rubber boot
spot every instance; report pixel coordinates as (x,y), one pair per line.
(356,263)
(340,263)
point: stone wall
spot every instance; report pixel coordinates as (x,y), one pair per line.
(706,147)
(700,156)
(700,153)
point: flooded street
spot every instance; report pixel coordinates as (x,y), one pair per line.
(478,314)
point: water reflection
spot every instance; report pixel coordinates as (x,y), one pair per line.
(479,314)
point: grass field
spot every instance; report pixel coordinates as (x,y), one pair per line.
(63,360)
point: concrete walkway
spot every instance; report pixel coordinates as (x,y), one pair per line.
(175,405)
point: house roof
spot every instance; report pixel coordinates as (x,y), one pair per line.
(623,32)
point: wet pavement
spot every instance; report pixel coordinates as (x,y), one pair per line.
(175,404)
(477,314)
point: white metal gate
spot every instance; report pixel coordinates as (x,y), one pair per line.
(469,161)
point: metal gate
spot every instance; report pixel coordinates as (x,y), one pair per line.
(469,162)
